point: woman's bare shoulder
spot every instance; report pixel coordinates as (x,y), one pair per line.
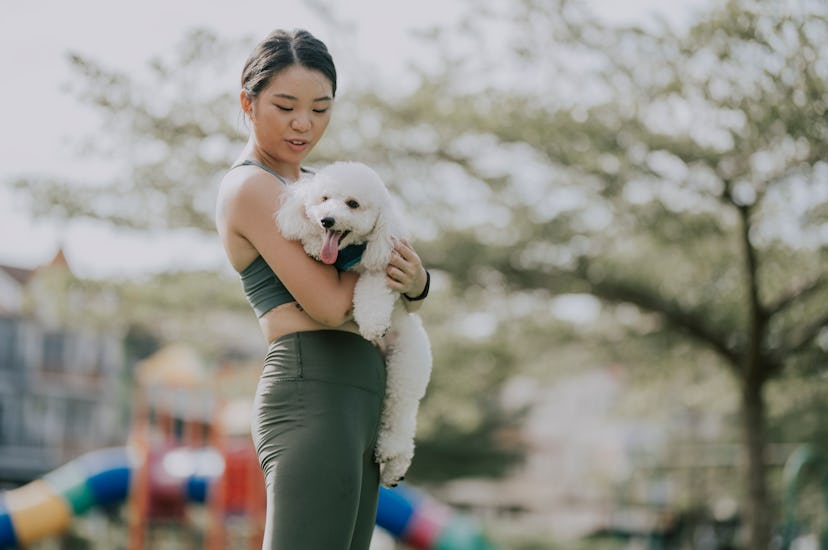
(247,201)
(246,181)
(246,190)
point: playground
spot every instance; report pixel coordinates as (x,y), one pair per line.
(188,477)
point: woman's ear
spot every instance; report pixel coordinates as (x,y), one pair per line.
(246,102)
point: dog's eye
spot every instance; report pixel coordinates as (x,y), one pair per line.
(324,198)
(352,204)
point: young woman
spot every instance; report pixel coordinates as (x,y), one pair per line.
(319,398)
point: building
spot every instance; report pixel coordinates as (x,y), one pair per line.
(61,380)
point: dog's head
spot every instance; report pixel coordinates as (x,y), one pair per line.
(344,203)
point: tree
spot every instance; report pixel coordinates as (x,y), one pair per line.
(682,172)
(679,172)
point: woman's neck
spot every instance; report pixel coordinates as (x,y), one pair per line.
(288,171)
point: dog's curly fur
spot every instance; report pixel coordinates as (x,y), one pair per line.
(348,203)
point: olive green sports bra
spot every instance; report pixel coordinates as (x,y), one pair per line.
(263,289)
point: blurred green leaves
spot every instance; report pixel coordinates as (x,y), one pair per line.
(678,176)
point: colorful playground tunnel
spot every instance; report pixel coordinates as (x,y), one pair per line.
(45,507)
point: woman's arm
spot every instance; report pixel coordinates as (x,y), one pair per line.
(323,292)
(406,274)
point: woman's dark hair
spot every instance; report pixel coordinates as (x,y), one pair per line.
(282,49)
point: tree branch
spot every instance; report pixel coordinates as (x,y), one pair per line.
(806,336)
(791,298)
(689,322)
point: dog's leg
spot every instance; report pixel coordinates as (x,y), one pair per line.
(373,304)
(408,367)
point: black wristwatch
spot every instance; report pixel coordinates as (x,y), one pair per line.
(422,294)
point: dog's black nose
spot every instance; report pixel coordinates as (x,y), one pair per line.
(327,222)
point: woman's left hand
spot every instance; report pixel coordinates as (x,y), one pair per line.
(405,272)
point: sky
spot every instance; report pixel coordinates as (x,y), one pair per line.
(39,120)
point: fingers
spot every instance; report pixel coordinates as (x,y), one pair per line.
(403,248)
(406,252)
(399,276)
(404,268)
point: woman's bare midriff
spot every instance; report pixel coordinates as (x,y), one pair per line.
(288,318)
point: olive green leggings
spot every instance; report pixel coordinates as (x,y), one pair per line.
(315,420)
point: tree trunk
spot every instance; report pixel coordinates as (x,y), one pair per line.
(758,516)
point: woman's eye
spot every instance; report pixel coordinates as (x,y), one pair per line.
(283,108)
(320,111)
(352,204)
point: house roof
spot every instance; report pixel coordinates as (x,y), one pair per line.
(23,275)
(19,274)
(59,260)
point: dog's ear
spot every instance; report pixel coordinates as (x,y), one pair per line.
(291,217)
(387,231)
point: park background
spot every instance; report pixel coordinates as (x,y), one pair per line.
(625,206)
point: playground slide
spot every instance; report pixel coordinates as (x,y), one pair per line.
(420,522)
(45,507)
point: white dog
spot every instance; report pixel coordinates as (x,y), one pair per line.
(346,203)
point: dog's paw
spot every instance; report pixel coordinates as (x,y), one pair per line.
(373,334)
(394,462)
(393,471)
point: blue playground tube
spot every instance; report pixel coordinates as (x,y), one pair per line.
(44,507)
(420,522)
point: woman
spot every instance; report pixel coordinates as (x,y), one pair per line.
(318,401)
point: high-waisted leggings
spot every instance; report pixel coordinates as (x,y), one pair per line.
(315,420)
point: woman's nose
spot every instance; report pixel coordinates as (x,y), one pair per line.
(300,123)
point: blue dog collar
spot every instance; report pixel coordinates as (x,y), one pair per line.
(349,256)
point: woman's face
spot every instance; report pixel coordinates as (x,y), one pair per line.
(291,113)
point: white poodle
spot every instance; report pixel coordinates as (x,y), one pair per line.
(346,203)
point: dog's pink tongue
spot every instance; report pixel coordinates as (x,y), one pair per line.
(330,246)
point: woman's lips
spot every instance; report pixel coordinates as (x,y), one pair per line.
(297,145)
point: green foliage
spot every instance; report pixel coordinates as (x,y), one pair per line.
(803,418)
(678,177)
(673,178)
(450,451)
(202,308)
(174,129)
(687,165)
(140,342)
